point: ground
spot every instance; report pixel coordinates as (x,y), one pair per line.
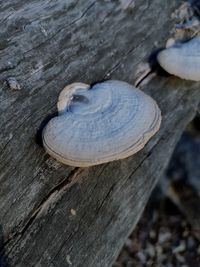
(167,235)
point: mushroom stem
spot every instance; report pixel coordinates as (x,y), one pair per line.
(66,96)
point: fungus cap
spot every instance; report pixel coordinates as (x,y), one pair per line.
(110,121)
(182,59)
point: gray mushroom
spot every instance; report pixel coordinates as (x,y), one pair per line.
(110,121)
(182,59)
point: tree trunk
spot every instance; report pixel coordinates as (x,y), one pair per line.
(55,215)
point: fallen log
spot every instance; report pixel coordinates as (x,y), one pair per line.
(55,215)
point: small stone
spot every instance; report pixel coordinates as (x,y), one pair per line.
(73,212)
(150,250)
(150,263)
(186,233)
(190,243)
(68,260)
(163,236)
(142,257)
(180,258)
(159,250)
(152,234)
(180,248)
(13,83)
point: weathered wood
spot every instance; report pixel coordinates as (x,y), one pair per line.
(51,214)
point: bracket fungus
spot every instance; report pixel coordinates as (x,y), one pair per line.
(182,59)
(107,121)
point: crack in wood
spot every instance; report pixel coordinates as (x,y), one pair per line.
(119,63)
(82,217)
(7,68)
(63,28)
(45,203)
(13,66)
(101,204)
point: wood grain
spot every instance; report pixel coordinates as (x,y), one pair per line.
(45,45)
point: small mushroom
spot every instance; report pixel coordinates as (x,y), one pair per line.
(182,59)
(107,121)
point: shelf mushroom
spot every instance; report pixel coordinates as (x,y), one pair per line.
(107,121)
(182,59)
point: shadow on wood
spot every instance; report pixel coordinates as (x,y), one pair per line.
(3,261)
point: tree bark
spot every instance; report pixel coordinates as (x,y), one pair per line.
(55,215)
